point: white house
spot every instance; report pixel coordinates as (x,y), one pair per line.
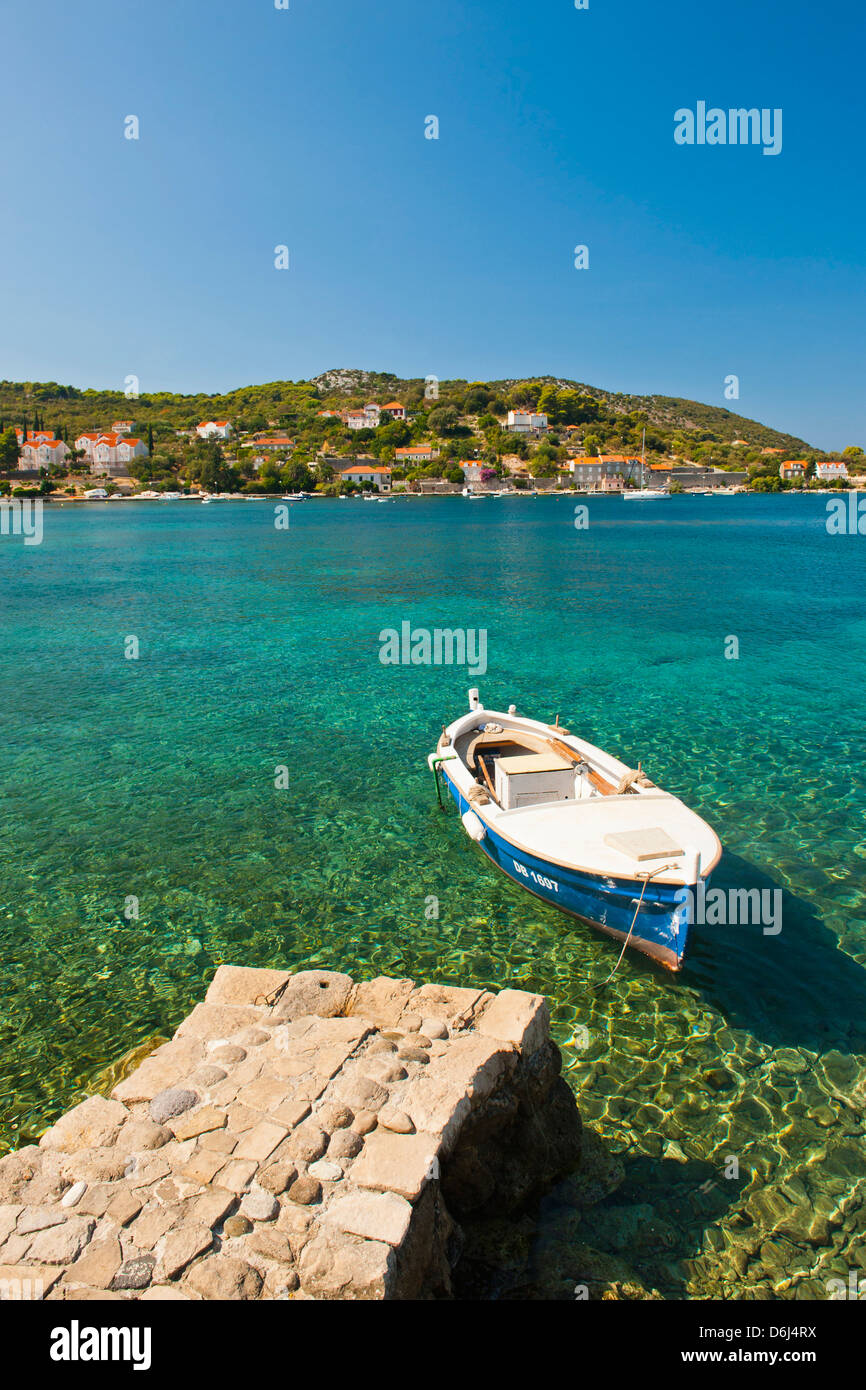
(365,418)
(826,472)
(104,451)
(524,421)
(362,473)
(121,427)
(87,442)
(130,449)
(213,429)
(45,453)
(111,453)
(416,453)
(793,468)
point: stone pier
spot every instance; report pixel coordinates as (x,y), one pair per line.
(301,1136)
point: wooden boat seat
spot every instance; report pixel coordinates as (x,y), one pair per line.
(501,742)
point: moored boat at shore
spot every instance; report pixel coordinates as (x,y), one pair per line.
(577,827)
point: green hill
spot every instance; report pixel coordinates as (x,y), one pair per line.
(463,420)
(284,402)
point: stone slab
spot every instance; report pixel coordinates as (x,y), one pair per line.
(401,1163)
(517,1017)
(239,984)
(381,1001)
(373,1215)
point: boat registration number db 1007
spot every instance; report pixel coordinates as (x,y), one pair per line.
(536,878)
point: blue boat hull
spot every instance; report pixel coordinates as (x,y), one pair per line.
(661,929)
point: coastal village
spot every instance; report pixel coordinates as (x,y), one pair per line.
(477,445)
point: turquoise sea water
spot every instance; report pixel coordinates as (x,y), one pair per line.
(259,648)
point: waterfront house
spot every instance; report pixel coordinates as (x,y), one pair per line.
(42,453)
(590,472)
(110,453)
(477,471)
(130,448)
(361,473)
(829,471)
(624,465)
(87,443)
(213,429)
(792,469)
(104,450)
(416,453)
(525,421)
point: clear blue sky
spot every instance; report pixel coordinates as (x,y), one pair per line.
(454,257)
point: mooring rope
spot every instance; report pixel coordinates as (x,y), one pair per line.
(646,878)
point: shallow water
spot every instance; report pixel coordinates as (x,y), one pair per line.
(153,779)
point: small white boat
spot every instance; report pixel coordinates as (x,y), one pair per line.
(577,827)
(644,493)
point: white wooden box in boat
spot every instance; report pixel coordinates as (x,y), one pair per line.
(529,779)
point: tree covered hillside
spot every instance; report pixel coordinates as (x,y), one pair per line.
(460,420)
